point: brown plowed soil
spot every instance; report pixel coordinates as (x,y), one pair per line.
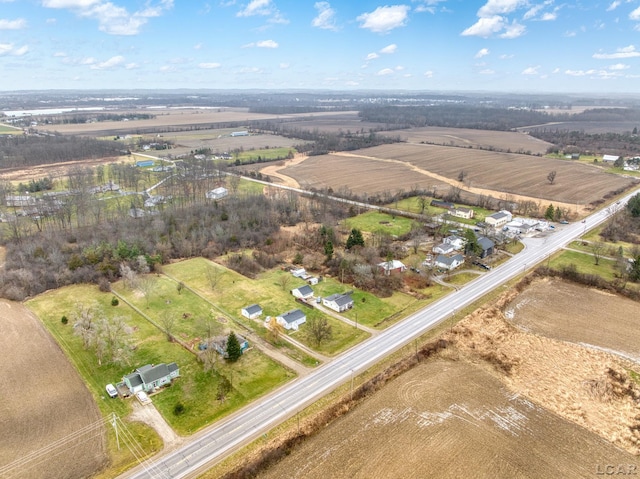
(50,426)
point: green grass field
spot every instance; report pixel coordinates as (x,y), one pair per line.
(585,263)
(264,154)
(376,222)
(9,130)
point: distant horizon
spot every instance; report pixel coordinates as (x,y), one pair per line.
(493,46)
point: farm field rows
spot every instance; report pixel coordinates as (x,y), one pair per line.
(465,137)
(498,401)
(44,400)
(401,166)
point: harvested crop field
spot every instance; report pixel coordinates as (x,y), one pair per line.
(501,173)
(596,318)
(51,427)
(221,141)
(449,419)
(336,122)
(485,139)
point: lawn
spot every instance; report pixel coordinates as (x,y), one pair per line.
(460,279)
(9,130)
(264,154)
(585,263)
(376,222)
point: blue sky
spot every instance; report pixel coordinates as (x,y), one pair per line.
(495,45)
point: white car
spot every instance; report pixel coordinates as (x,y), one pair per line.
(112,391)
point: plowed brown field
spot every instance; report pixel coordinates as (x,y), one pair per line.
(402,165)
(50,427)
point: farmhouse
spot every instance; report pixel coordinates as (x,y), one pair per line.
(338,302)
(252,311)
(393,266)
(150,377)
(449,262)
(461,212)
(302,292)
(499,219)
(292,319)
(217,193)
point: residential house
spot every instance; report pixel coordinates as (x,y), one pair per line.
(313,280)
(302,292)
(338,302)
(252,311)
(443,248)
(298,272)
(487,246)
(219,343)
(292,319)
(461,212)
(217,193)
(449,262)
(393,266)
(499,219)
(150,377)
(455,241)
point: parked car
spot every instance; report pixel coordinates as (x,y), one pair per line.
(112,391)
(564,222)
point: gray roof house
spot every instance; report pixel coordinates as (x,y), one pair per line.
(303,292)
(252,311)
(443,248)
(449,263)
(219,343)
(292,319)
(149,377)
(338,302)
(487,246)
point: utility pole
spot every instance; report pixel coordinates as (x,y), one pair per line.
(352,384)
(114,423)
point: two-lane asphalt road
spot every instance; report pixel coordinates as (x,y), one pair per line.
(259,417)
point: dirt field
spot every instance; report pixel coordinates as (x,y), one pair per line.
(500,173)
(43,400)
(177,117)
(595,318)
(498,140)
(498,402)
(448,419)
(54,170)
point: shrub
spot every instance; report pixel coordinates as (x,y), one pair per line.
(64,320)
(114,301)
(179,409)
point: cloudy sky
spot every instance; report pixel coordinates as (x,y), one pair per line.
(494,45)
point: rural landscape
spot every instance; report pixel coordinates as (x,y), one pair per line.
(172,263)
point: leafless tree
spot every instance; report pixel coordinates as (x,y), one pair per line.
(214,275)
(276,330)
(551,177)
(146,285)
(319,329)
(597,248)
(168,320)
(283,280)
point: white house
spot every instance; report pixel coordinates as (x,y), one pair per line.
(449,262)
(338,302)
(455,241)
(217,193)
(462,212)
(393,266)
(302,292)
(499,219)
(149,377)
(610,158)
(252,311)
(298,272)
(292,319)
(443,248)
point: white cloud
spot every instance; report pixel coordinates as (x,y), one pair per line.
(531,70)
(131,66)
(498,7)
(514,30)
(60,54)
(10,49)
(109,64)
(601,74)
(624,52)
(372,56)
(384,19)
(209,66)
(399,68)
(504,56)
(352,83)
(619,67)
(635,15)
(113,19)
(389,49)
(326,16)
(428,74)
(267,44)
(613,5)
(87,61)
(250,70)
(16,24)
(257,7)
(549,16)
(284,66)
(483,52)
(168,68)
(485,27)
(384,72)
(198,46)
(487,71)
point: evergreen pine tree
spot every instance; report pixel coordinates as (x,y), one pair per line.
(233,348)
